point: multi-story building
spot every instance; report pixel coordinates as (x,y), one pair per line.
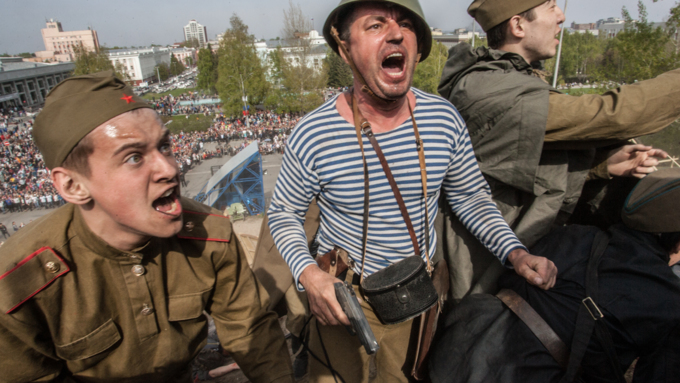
(140,64)
(196,31)
(187,56)
(27,83)
(60,45)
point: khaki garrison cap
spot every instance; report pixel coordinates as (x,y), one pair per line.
(490,13)
(75,107)
(654,204)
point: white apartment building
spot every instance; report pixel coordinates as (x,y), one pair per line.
(60,44)
(140,63)
(196,31)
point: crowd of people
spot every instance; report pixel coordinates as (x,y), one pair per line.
(25,183)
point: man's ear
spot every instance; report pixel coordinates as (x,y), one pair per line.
(516,27)
(70,186)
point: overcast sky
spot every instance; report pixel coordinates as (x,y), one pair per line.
(142,22)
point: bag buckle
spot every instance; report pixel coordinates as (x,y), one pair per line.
(592,308)
(366,128)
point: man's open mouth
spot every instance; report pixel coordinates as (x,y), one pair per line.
(168,203)
(393,64)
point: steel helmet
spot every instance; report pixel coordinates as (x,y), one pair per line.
(422,29)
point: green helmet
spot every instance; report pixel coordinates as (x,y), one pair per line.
(422,29)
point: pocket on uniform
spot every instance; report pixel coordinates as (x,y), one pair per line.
(96,342)
(187,306)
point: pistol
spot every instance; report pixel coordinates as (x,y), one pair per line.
(359,325)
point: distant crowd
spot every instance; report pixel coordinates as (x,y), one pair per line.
(25,181)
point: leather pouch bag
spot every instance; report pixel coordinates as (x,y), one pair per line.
(401,291)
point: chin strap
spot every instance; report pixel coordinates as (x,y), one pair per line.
(364,86)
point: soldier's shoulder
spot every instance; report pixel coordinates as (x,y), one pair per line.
(204,223)
(31,259)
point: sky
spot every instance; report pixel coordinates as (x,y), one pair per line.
(143,22)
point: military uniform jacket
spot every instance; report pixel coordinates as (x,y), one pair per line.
(75,309)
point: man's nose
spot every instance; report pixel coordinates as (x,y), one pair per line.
(560,16)
(394,32)
(165,167)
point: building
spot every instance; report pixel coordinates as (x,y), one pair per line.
(187,56)
(27,83)
(308,47)
(140,64)
(610,27)
(460,35)
(196,31)
(60,45)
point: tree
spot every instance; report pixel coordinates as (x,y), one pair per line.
(640,51)
(581,54)
(429,72)
(163,70)
(96,61)
(191,43)
(339,72)
(176,66)
(207,70)
(302,73)
(239,70)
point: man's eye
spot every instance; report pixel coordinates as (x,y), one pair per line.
(134,159)
(166,148)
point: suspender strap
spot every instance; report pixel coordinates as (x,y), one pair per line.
(589,318)
(362,125)
(364,239)
(542,330)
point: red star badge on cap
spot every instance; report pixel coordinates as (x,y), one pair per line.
(127,98)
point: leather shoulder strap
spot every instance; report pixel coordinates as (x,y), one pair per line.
(550,340)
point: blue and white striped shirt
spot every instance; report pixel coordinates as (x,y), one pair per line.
(323,159)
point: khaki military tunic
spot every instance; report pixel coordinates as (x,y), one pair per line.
(76,309)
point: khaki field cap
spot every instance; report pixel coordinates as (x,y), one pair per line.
(654,204)
(75,107)
(490,13)
(422,29)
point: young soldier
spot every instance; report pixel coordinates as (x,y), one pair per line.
(534,145)
(112,286)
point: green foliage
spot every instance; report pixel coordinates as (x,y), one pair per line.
(163,70)
(207,70)
(339,72)
(581,53)
(297,78)
(429,72)
(640,51)
(239,69)
(92,62)
(191,43)
(195,123)
(176,66)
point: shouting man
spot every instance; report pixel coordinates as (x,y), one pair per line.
(383,42)
(113,286)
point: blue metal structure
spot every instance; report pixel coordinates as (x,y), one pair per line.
(239,180)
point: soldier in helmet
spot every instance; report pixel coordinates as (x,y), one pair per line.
(358,155)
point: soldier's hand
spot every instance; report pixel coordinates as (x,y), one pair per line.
(321,295)
(634,160)
(538,271)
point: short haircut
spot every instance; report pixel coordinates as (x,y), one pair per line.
(78,159)
(497,35)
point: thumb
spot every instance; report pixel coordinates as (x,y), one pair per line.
(532,276)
